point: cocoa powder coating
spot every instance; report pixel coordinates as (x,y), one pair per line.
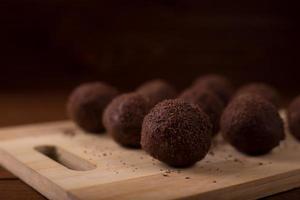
(123,118)
(177,133)
(252,125)
(218,84)
(86,104)
(208,101)
(293,116)
(157,90)
(264,90)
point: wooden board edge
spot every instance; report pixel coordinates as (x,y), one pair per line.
(127,189)
(33,178)
(32,129)
(254,190)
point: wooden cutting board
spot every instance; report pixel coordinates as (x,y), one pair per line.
(62,162)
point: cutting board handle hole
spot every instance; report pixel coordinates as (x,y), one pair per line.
(65,158)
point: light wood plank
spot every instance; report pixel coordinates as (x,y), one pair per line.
(122,173)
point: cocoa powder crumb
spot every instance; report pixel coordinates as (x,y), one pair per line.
(69,132)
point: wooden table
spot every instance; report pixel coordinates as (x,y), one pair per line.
(34,107)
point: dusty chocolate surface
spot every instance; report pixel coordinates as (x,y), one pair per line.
(86,104)
(293,116)
(252,125)
(177,133)
(157,90)
(208,101)
(123,118)
(264,90)
(216,83)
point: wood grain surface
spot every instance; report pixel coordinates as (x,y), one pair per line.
(52,106)
(17,105)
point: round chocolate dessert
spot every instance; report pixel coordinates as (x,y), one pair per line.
(208,101)
(264,90)
(177,133)
(293,116)
(216,83)
(157,90)
(252,125)
(123,118)
(86,104)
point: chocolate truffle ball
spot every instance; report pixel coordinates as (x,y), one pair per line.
(293,116)
(157,90)
(252,125)
(177,133)
(216,83)
(264,90)
(86,104)
(123,118)
(208,101)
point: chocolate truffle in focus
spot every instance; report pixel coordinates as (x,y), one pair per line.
(86,104)
(293,116)
(216,83)
(177,133)
(252,125)
(123,118)
(264,90)
(208,101)
(157,90)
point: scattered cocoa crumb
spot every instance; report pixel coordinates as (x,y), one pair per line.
(187,177)
(104,154)
(260,163)
(69,132)
(166,175)
(214,181)
(237,160)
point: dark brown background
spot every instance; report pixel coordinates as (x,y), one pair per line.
(57,44)
(49,46)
